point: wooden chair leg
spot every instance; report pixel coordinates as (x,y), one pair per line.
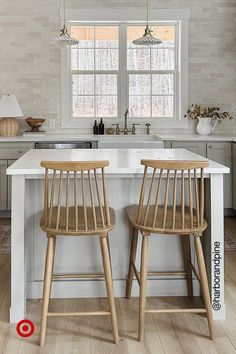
(133,251)
(54,248)
(204,284)
(109,286)
(109,250)
(143,286)
(46,288)
(187,261)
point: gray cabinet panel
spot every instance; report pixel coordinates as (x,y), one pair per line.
(9,163)
(9,153)
(199,147)
(3,185)
(234,174)
(221,153)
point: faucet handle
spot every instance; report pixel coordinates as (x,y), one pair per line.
(133,128)
(148,125)
(117,128)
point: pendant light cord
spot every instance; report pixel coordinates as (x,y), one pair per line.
(64,13)
(147,11)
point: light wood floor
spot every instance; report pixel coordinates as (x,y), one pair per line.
(164,333)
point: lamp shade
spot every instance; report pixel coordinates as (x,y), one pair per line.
(9,107)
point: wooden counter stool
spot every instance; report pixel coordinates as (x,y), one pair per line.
(77,221)
(148,217)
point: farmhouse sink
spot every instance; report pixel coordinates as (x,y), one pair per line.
(130,141)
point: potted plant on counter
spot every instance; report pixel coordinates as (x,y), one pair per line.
(207,117)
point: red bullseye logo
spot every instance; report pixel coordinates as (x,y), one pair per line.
(25,328)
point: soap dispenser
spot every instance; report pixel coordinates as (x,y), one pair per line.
(95,128)
(101,127)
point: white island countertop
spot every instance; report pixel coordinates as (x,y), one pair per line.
(122,161)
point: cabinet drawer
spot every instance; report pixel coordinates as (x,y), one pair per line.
(13,153)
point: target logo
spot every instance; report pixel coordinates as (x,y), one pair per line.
(25,328)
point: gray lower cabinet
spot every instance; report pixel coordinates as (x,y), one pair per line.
(9,153)
(3,185)
(221,152)
(234,174)
(199,147)
(9,163)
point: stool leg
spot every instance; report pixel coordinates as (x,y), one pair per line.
(204,283)
(46,288)
(143,286)
(109,250)
(109,286)
(54,248)
(133,251)
(187,262)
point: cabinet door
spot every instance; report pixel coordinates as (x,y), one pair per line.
(221,153)
(9,163)
(3,185)
(199,147)
(234,174)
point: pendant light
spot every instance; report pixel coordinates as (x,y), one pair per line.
(147,38)
(65,40)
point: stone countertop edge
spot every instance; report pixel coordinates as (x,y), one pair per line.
(122,161)
(84,137)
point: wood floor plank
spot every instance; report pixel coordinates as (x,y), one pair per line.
(101,331)
(151,342)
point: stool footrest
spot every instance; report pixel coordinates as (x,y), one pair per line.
(198,310)
(167,273)
(175,273)
(90,313)
(90,275)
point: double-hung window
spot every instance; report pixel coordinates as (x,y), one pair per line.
(95,71)
(106,73)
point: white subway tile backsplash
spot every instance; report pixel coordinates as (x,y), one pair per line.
(30,61)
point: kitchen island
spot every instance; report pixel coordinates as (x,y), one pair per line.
(124,177)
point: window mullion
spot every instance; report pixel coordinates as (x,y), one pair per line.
(123,70)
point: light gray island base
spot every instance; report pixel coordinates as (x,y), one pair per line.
(73,255)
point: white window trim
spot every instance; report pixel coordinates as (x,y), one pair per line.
(128,15)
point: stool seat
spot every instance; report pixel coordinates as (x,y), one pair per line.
(81,230)
(132,212)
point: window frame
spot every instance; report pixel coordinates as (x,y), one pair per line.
(153,72)
(95,72)
(129,17)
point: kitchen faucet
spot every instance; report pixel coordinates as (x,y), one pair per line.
(126,130)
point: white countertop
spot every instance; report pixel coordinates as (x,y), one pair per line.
(91,137)
(196,137)
(122,161)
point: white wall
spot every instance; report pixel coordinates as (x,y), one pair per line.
(30,61)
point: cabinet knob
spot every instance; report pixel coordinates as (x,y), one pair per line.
(210,146)
(2,165)
(20,151)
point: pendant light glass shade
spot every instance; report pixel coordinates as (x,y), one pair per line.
(147,38)
(65,40)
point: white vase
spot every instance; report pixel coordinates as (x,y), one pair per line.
(204,126)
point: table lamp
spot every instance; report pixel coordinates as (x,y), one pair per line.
(9,109)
